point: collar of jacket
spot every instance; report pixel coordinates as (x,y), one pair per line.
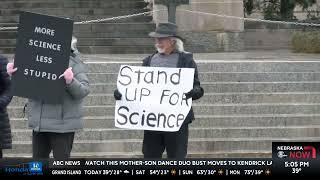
(172,52)
(182,56)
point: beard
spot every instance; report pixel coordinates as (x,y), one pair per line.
(160,50)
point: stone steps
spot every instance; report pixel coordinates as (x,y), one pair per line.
(230,77)
(219,66)
(84,17)
(236,87)
(203,121)
(248,104)
(127,49)
(217,98)
(94,42)
(99,49)
(114,41)
(107,27)
(81,10)
(104,38)
(116,49)
(209,109)
(73,4)
(218,146)
(249,99)
(87,11)
(205,133)
(114,34)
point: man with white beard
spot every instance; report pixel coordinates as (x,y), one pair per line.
(170,53)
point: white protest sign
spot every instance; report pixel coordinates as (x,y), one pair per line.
(153,97)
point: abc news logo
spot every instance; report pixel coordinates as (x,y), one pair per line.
(297,152)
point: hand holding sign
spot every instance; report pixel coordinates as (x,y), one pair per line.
(117,95)
(189,94)
(10,69)
(68,75)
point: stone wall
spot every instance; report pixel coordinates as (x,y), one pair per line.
(269,36)
(207,33)
(199,22)
(211,41)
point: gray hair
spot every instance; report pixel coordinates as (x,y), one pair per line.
(178,44)
(74,44)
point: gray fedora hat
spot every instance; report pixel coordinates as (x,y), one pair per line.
(165,30)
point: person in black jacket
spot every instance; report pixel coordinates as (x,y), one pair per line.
(170,53)
(5,99)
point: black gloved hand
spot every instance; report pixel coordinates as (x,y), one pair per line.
(117,95)
(190,94)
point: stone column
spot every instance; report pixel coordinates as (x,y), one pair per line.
(208,33)
(187,21)
(171,5)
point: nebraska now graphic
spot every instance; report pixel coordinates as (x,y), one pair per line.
(296,158)
(297,152)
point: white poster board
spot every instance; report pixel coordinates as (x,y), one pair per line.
(153,98)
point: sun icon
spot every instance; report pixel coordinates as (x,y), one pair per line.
(267,172)
(220,172)
(173,172)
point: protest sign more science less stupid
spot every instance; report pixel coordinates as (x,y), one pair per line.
(42,54)
(153,98)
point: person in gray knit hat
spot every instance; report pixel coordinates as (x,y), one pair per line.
(170,53)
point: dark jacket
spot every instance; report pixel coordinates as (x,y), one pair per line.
(5,99)
(67,116)
(185,61)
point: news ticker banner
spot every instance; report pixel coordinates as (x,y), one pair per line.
(137,167)
(294,158)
